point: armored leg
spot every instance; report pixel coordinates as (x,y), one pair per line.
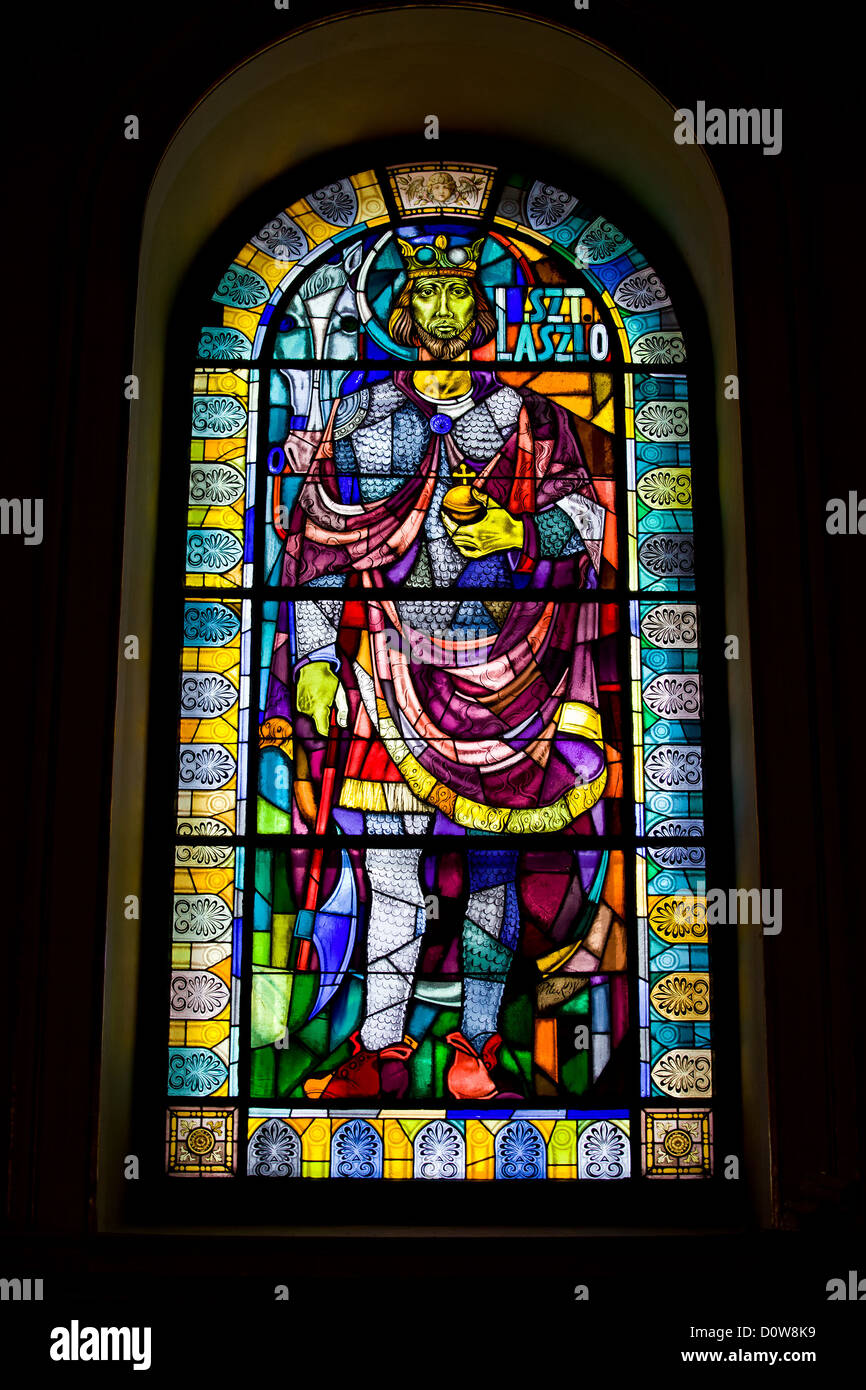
(396,923)
(491,932)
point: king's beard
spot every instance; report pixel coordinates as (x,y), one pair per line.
(444,349)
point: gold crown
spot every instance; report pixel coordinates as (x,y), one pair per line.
(440,258)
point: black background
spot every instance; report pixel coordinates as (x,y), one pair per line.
(75,196)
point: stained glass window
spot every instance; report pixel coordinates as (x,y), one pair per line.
(439,853)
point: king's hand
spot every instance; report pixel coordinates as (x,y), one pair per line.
(496,530)
(318,689)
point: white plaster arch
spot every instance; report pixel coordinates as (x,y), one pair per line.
(575,98)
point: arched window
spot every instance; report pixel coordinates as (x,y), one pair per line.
(439,839)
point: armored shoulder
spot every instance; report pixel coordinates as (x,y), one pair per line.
(483,430)
(367,407)
(385,398)
(352,411)
(504,405)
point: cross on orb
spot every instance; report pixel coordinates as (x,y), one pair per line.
(463,473)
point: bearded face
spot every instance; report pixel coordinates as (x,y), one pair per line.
(443,308)
(442,314)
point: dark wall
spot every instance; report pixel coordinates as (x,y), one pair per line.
(73,232)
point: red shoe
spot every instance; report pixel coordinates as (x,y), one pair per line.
(469,1076)
(378,1075)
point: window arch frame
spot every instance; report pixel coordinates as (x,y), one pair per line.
(580,177)
(162,1196)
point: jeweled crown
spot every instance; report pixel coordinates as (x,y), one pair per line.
(440,258)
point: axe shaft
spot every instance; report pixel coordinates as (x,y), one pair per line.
(326,801)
